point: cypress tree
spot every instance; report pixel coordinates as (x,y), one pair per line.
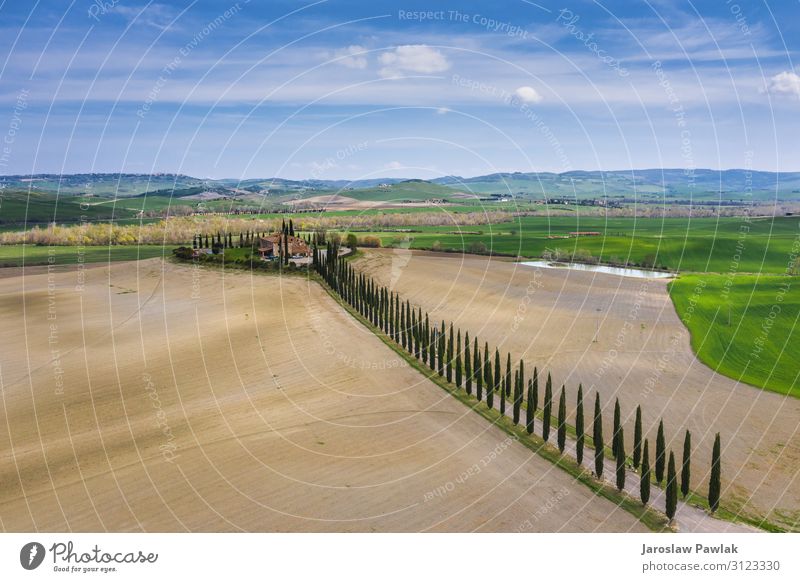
(418,338)
(406,309)
(487,369)
(529,414)
(686,467)
(467,365)
(434,344)
(391,325)
(508,376)
(547,410)
(478,371)
(660,452)
(387,311)
(426,340)
(291,228)
(672,488)
(410,328)
(637,438)
(714,483)
(562,420)
(621,460)
(286,251)
(614,437)
(497,370)
(503,396)
(450,350)
(519,380)
(535,389)
(441,355)
(403,327)
(413,337)
(458,360)
(579,426)
(599,451)
(644,480)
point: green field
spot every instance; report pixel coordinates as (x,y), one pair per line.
(28,255)
(22,208)
(749,333)
(408,190)
(680,244)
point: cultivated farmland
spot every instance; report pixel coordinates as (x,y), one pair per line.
(621,337)
(161,397)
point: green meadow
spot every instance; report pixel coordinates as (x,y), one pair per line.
(23,208)
(745,327)
(29,255)
(761,245)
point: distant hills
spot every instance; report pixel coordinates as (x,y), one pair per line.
(645,185)
(50,197)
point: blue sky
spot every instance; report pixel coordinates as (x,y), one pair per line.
(343,89)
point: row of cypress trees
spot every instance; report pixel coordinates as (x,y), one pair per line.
(479,372)
(245,239)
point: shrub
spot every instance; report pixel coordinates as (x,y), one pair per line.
(477,248)
(372,242)
(183,253)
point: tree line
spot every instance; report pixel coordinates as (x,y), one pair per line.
(463,361)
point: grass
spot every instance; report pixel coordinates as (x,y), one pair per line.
(679,244)
(28,255)
(407,190)
(745,327)
(20,208)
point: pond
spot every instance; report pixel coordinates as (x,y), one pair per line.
(620,271)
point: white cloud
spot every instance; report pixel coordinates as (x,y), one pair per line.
(443,110)
(413,58)
(156,15)
(352,57)
(528,94)
(785,83)
(394,166)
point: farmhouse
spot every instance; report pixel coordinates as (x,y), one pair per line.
(273,245)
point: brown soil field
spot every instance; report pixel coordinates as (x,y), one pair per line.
(622,337)
(154,396)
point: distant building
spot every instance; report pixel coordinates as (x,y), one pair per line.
(272,246)
(585,233)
